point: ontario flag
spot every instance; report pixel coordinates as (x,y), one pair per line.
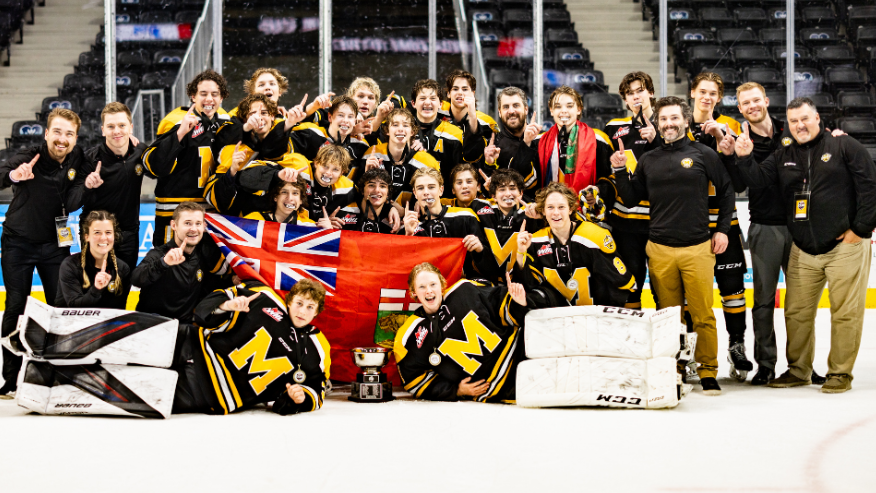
(364,274)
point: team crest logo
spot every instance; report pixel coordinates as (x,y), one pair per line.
(826,157)
(486,210)
(801,205)
(350,219)
(273,313)
(608,242)
(621,132)
(71,173)
(545,250)
(619,265)
(421,336)
(138,169)
(197,131)
(687,162)
(200,275)
(786,141)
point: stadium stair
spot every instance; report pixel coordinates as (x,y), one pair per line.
(619,41)
(61,30)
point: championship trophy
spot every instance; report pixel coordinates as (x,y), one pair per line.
(371,385)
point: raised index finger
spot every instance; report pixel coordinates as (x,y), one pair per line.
(492,138)
(304,100)
(620,145)
(389,98)
(97,169)
(103,267)
(336,211)
(745,128)
(34,160)
(483,174)
(250,298)
(523,226)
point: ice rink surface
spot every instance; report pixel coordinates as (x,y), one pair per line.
(747,440)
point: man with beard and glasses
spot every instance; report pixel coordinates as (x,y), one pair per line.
(181,158)
(176,276)
(681,247)
(512,147)
(47,184)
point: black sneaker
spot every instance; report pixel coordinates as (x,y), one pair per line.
(763,376)
(7,391)
(817,379)
(710,386)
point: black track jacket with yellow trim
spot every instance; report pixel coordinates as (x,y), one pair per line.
(251,356)
(591,274)
(477,333)
(622,216)
(445,142)
(734,128)
(182,168)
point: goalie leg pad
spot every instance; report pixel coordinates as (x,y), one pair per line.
(596,381)
(97,334)
(114,390)
(601,331)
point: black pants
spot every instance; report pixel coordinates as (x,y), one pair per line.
(18,258)
(189,395)
(631,248)
(162,233)
(128,248)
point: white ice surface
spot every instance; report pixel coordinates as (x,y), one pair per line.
(747,440)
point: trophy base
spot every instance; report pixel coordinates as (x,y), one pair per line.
(371,392)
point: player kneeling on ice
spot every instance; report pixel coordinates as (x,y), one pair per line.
(463,342)
(255,349)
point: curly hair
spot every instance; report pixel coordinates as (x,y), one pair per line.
(307,289)
(299,185)
(555,187)
(282,82)
(424,84)
(115,286)
(505,177)
(376,174)
(207,75)
(415,129)
(424,267)
(245,104)
(643,78)
(686,111)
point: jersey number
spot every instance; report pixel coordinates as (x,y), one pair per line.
(206,165)
(580,288)
(256,350)
(475,332)
(502,252)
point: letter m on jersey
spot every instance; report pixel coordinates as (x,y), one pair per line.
(255,351)
(475,333)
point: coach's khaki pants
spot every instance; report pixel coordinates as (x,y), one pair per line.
(846,270)
(687,272)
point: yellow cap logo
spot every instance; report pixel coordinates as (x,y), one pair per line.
(687,162)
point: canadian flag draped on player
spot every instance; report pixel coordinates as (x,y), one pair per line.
(361,272)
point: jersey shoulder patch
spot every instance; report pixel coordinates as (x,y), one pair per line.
(594,236)
(423,158)
(401,337)
(448,130)
(171,119)
(460,212)
(620,121)
(601,136)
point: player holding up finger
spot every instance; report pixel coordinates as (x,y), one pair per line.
(434,346)
(245,326)
(371,213)
(181,158)
(460,109)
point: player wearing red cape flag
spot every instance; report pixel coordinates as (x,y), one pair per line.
(351,265)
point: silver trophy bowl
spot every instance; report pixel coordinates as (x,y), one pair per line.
(371,359)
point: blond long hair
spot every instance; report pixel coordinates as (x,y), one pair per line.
(115,286)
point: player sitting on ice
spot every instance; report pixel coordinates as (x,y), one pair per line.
(463,342)
(254,349)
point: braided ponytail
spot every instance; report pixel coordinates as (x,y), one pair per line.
(87,283)
(115,287)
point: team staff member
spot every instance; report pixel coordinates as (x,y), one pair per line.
(512,147)
(246,325)
(769,240)
(175,276)
(828,187)
(428,347)
(636,135)
(48,185)
(95,278)
(717,131)
(567,252)
(460,109)
(118,176)
(571,152)
(681,250)
(181,158)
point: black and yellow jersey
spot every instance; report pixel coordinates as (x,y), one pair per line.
(500,232)
(356,219)
(401,174)
(626,130)
(474,142)
(455,222)
(302,218)
(476,334)
(515,154)
(248,190)
(696,134)
(334,197)
(182,168)
(251,356)
(307,139)
(443,141)
(585,271)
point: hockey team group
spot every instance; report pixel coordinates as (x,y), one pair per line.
(570,216)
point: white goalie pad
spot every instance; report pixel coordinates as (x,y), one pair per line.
(596,381)
(602,331)
(89,335)
(107,390)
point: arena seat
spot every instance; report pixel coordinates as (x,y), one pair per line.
(575,57)
(827,108)
(516,18)
(187,16)
(729,36)
(859,127)
(772,36)
(753,17)
(485,16)
(865,41)
(605,105)
(751,56)
(818,36)
(155,17)
(817,17)
(490,36)
(556,18)
(856,103)
(844,78)
(586,81)
(801,55)
(769,78)
(26,133)
(80,84)
(833,56)
(555,38)
(53,102)
(859,17)
(777,16)
(168,59)
(717,18)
